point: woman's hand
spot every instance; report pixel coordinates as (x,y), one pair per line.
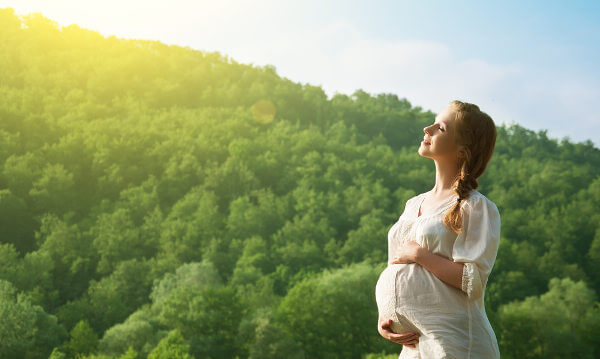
(409,339)
(407,253)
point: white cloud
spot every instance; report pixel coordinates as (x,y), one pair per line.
(430,74)
(340,59)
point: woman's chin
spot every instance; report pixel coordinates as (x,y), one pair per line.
(423,153)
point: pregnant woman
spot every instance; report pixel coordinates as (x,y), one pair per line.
(443,247)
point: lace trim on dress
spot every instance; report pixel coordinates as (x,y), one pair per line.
(468,278)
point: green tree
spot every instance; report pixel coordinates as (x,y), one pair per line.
(129,354)
(140,331)
(265,339)
(25,330)
(553,325)
(116,296)
(57,354)
(173,346)
(83,340)
(315,313)
(16,222)
(209,316)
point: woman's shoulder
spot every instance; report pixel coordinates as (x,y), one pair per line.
(415,198)
(478,199)
(411,202)
(412,199)
(475,198)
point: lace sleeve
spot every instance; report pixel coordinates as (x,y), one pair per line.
(470,280)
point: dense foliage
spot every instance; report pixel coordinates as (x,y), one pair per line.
(157,201)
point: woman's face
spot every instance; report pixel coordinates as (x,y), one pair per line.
(438,140)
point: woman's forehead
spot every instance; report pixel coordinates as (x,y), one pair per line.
(445,117)
(443,121)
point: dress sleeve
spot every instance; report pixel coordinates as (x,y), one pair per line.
(477,245)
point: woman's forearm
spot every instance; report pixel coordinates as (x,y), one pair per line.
(445,269)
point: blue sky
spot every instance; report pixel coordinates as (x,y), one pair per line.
(533,63)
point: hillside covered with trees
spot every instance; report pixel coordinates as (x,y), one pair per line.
(162,202)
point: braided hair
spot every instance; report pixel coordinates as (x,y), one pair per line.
(475,131)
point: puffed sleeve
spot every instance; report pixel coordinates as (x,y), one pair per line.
(477,245)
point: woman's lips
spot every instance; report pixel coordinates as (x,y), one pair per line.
(425,143)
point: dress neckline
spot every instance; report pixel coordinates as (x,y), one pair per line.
(443,204)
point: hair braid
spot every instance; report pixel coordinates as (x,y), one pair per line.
(476,132)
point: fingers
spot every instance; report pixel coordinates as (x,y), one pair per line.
(397,260)
(405,336)
(384,327)
(410,342)
(385,324)
(409,339)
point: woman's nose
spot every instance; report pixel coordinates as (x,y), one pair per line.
(426,130)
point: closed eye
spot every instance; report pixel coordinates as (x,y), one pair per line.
(441,129)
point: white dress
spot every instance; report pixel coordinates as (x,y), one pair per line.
(452,322)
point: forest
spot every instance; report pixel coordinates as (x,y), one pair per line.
(158,201)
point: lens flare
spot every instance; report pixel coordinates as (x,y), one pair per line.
(263,111)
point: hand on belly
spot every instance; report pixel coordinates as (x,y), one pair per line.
(402,291)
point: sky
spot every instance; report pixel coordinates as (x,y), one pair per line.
(534,63)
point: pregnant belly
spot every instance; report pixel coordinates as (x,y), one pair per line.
(407,293)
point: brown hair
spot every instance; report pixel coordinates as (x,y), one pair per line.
(476,132)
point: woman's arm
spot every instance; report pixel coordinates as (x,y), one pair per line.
(473,253)
(445,269)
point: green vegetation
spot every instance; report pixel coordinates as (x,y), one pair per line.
(162,202)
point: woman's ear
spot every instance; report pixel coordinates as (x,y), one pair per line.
(461,152)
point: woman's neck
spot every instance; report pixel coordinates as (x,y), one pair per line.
(445,175)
